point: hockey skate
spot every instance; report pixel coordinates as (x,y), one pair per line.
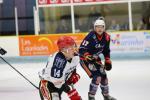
(108,97)
(91,97)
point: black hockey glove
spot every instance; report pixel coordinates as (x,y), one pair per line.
(2,51)
(90,59)
(65,88)
(108,65)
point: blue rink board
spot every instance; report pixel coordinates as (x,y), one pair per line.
(124,56)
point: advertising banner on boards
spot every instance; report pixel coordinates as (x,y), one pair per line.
(43,45)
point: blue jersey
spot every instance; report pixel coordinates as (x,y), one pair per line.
(95,45)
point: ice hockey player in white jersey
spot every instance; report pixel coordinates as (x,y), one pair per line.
(60,72)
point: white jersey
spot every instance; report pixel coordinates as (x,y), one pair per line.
(58,69)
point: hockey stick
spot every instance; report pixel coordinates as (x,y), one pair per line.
(19,72)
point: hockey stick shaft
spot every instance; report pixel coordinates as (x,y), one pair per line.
(19,72)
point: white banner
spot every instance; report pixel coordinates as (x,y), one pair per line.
(147,41)
(130,42)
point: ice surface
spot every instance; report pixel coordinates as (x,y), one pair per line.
(128,80)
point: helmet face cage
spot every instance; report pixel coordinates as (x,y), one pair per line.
(70,48)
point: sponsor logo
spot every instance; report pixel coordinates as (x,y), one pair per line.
(116,40)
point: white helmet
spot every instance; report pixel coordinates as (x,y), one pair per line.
(99,22)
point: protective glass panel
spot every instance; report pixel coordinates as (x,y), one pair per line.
(115,15)
(141,15)
(55,20)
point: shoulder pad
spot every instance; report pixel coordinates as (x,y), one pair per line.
(107,36)
(60,56)
(90,35)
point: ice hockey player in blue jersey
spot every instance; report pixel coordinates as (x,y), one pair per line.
(96,43)
(60,72)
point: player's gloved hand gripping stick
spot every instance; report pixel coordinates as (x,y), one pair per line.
(92,60)
(72,92)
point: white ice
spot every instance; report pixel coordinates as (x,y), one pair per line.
(128,80)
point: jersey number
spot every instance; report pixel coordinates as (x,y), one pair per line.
(85,43)
(56,73)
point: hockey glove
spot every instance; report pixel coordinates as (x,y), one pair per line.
(108,65)
(90,59)
(98,64)
(74,95)
(74,78)
(2,51)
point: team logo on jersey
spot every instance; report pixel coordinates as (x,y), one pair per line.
(59,62)
(92,67)
(97,45)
